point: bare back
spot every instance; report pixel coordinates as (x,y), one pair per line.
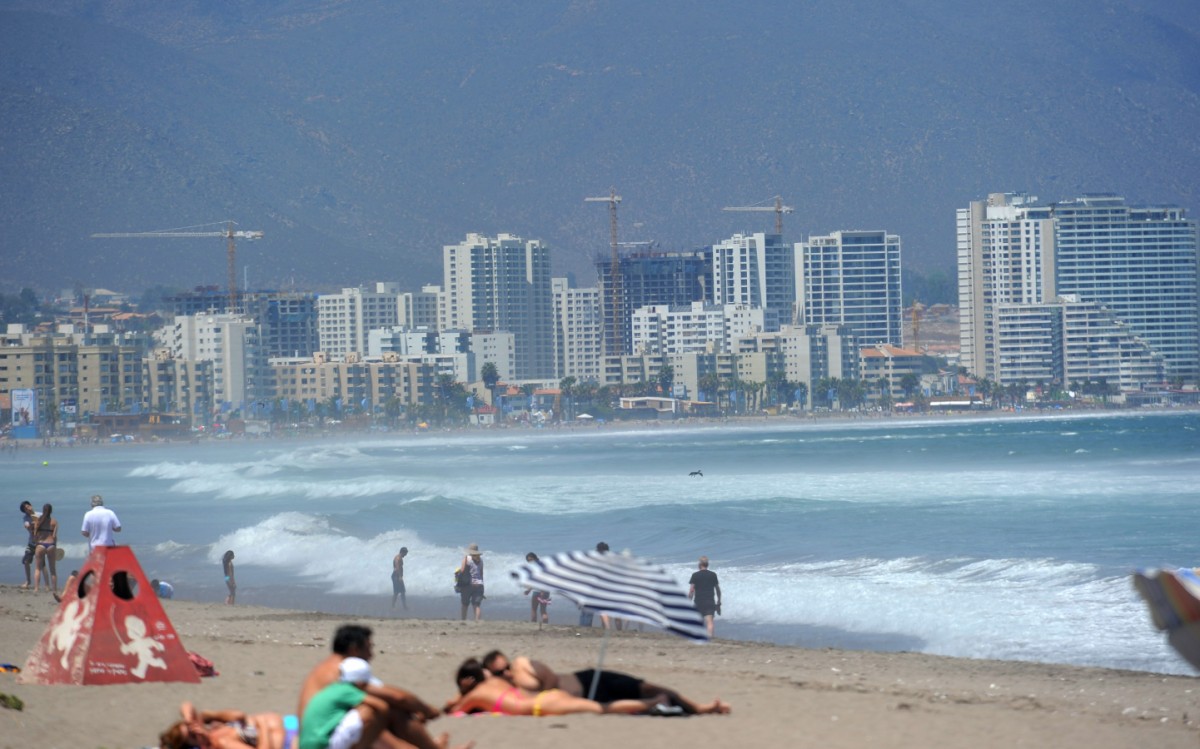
(322,675)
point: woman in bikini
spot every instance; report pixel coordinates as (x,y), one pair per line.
(480,692)
(45,534)
(226,729)
(230,582)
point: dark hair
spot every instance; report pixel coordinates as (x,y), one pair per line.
(601,546)
(471,669)
(225,560)
(350,636)
(403,549)
(47,511)
(23,503)
(489,658)
(531,554)
(172,738)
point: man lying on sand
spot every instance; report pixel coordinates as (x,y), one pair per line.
(407,713)
(480,691)
(614,685)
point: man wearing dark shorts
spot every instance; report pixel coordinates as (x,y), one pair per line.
(31,545)
(706,592)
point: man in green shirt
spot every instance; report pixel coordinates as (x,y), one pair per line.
(343,715)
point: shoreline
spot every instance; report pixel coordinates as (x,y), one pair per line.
(808,418)
(832,698)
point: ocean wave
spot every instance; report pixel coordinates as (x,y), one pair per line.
(311,547)
(1019,609)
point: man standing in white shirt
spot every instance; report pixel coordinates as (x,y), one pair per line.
(99,524)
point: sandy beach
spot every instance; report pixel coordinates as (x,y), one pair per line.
(781,696)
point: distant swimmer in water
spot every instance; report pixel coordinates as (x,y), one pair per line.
(697,473)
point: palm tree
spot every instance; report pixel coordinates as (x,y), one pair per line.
(490,376)
(567,386)
(801,393)
(666,380)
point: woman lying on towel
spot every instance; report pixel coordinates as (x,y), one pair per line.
(481,692)
(228,729)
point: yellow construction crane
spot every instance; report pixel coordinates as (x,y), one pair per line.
(779,208)
(618,326)
(229,233)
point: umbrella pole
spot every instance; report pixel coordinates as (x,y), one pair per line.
(599,666)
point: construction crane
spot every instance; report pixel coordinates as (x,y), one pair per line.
(916,325)
(229,233)
(779,208)
(618,327)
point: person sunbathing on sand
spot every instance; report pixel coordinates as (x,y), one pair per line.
(226,729)
(613,685)
(480,691)
(407,713)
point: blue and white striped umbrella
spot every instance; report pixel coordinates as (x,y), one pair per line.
(619,585)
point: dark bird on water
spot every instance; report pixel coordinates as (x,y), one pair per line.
(697,473)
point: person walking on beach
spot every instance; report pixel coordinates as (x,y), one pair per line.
(538,599)
(45,533)
(230,581)
(472,595)
(30,545)
(99,524)
(705,591)
(398,578)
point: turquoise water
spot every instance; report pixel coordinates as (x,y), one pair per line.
(993,538)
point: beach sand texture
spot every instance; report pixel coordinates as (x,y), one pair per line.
(781,696)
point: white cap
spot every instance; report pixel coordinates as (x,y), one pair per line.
(355,670)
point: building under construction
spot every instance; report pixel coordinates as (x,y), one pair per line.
(644,277)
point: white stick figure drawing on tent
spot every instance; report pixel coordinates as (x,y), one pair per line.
(141,646)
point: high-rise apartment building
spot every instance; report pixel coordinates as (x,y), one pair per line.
(344,319)
(693,328)
(503,283)
(240,369)
(579,331)
(287,320)
(852,278)
(1138,264)
(756,270)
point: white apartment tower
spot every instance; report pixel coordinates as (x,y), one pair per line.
(344,319)
(1138,264)
(694,328)
(756,270)
(231,343)
(1005,256)
(852,278)
(503,283)
(579,331)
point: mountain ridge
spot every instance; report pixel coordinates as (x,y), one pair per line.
(362,137)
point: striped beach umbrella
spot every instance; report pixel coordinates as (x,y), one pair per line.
(618,585)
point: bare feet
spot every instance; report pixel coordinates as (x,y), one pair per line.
(443,741)
(716,707)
